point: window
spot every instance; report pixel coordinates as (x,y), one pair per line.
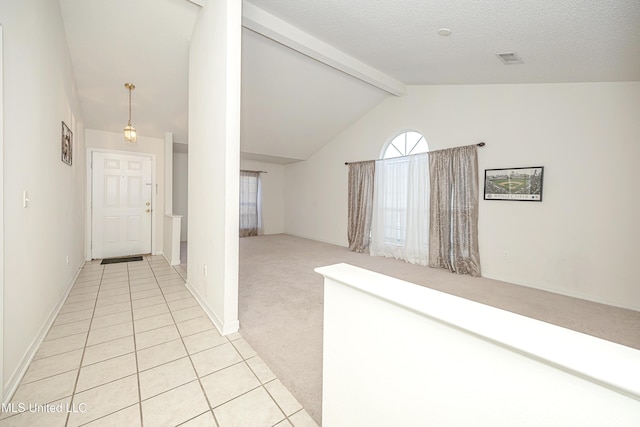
(250,221)
(409,142)
(393,176)
(400,223)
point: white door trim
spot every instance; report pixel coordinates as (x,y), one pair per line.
(154,195)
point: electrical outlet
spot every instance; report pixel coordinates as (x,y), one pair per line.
(67,259)
(204,269)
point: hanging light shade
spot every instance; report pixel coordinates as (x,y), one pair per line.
(129,131)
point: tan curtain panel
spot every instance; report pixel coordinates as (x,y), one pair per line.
(453,229)
(360,205)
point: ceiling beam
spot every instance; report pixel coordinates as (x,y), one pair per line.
(274,28)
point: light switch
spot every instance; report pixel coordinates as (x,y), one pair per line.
(25,199)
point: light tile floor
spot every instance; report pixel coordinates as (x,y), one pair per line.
(132,347)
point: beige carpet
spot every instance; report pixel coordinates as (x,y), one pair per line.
(281,305)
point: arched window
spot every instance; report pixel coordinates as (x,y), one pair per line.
(408,142)
(400,220)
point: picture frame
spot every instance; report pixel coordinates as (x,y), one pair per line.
(519,184)
(67,145)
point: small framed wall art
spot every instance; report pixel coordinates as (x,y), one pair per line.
(522,184)
(67,145)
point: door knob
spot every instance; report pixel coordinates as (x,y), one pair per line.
(148,210)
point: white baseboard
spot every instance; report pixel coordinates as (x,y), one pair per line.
(166,259)
(569,293)
(224,329)
(316,239)
(564,292)
(174,263)
(21,370)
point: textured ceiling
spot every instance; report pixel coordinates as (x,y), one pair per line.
(291,104)
(559,41)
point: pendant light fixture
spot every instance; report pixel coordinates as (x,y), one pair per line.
(130,131)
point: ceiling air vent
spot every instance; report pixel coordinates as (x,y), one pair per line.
(509,58)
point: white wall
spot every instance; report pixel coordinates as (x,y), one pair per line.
(115,141)
(1,216)
(39,93)
(180,191)
(448,361)
(214,161)
(272,194)
(580,241)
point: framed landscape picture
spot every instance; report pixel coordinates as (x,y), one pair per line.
(67,145)
(522,184)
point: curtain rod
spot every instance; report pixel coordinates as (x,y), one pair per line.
(244,170)
(480,144)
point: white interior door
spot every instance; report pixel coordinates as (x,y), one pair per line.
(121,205)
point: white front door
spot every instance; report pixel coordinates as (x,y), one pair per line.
(121,205)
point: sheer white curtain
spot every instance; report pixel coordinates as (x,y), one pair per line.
(259,207)
(400,223)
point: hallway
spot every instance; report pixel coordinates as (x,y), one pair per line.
(131,346)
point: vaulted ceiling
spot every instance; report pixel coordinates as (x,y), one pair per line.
(293,102)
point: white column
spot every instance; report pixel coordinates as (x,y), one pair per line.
(214,161)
